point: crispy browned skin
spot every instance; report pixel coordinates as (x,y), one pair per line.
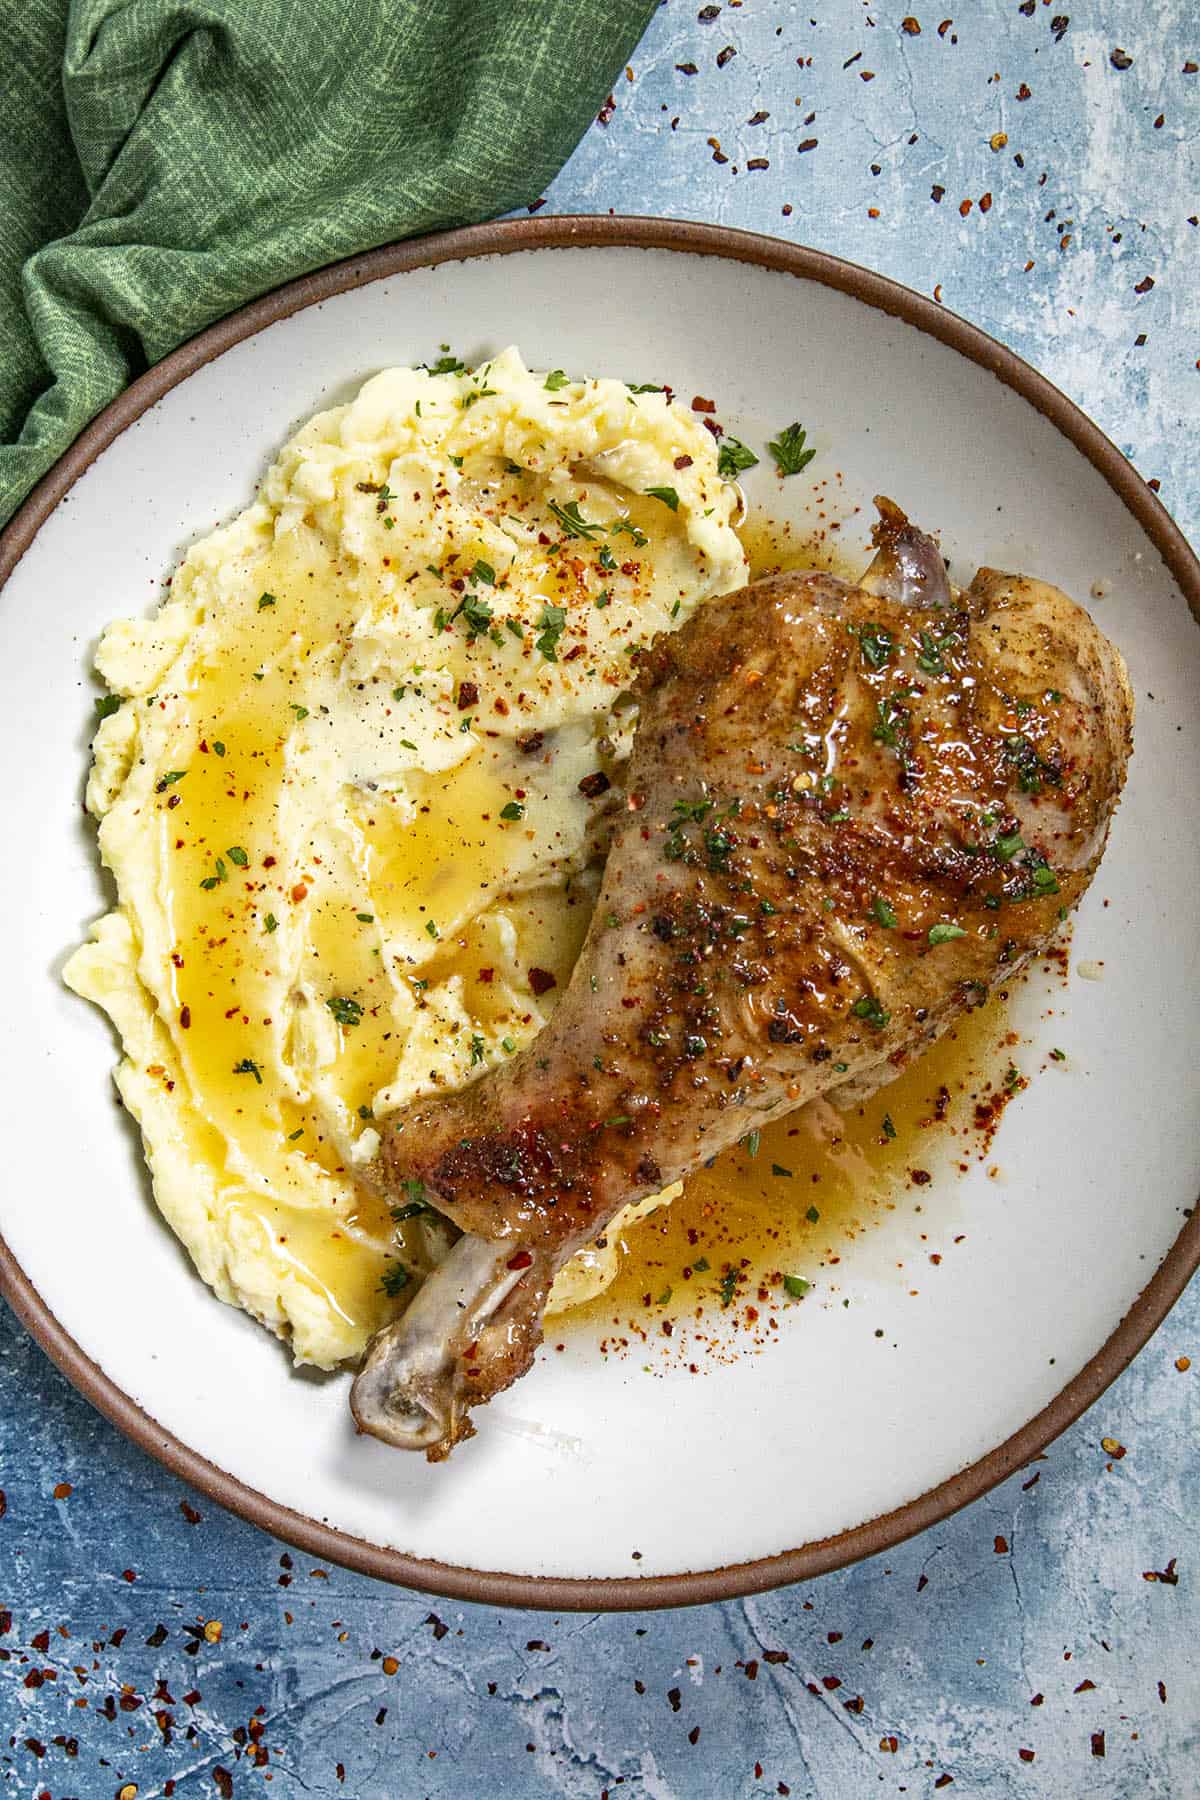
(849,814)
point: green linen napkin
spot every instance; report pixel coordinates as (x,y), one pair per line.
(163,161)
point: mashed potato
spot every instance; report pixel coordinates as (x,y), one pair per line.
(345,797)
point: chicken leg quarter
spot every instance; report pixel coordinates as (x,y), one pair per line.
(850,812)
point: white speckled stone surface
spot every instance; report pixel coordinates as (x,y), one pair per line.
(1019,1647)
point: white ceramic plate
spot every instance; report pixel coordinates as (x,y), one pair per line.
(593,1484)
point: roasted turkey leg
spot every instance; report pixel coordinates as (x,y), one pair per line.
(850,813)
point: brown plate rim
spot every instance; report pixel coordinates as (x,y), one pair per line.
(621,1593)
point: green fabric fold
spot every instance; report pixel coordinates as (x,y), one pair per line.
(164,161)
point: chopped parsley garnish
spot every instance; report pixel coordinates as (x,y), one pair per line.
(301,712)
(867,1007)
(477,613)
(627,525)
(395,1279)
(483,571)
(796,1286)
(883,914)
(1012,1078)
(513,810)
(1029,766)
(751,1142)
(1007,845)
(876,643)
(889,1130)
(412,1209)
(270,923)
(266,600)
(108,704)
(1042,876)
(220,873)
(507,1045)
(573,522)
(364,1112)
(812,1215)
(430,928)
(667,495)
(293,1135)
(248,1066)
(606,559)
(555,380)
(169,780)
(218,747)
(644,387)
(237,855)
(944,934)
(365,918)
(890,720)
(603,600)
(729,1283)
(347,1012)
(789,452)
(1059,1055)
(779,1170)
(446,365)
(929,661)
(407,744)
(733,457)
(476,1050)
(552,624)
(664,1296)
(702,1265)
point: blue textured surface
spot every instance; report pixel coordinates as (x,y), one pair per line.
(963,1653)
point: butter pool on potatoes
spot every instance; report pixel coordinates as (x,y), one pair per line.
(341,800)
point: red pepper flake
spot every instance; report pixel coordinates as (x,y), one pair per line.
(944,27)
(807,144)
(440,1628)
(468,695)
(1085,1687)
(1111,1447)
(1037,1700)
(185,1018)
(831,1683)
(1058,26)
(911,26)
(128,1575)
(541,981)
(189,1513)
(1162,1693)
(223,1782)
(389,1665)
(701,405)
(1144,285)
(725,56)
(1000,1545)
(595,784)
(1167,1575)
(1032,1482)
(299,892)
(522,1260)
(675,1698)
(778,1657)
(687,68)
(985,203)
(1121,59)
(531,742)
(889,1745)
(866,74)
(62,1491)
(682,462)
(937,193)
(922,1177)
(536,1643)
(943,1781)
(854,1706)
(922,1582)
(755,162)
(694,1735)
(964,207)
(1097,1743)
(752,1669)
(607,110)
(1026,1755)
